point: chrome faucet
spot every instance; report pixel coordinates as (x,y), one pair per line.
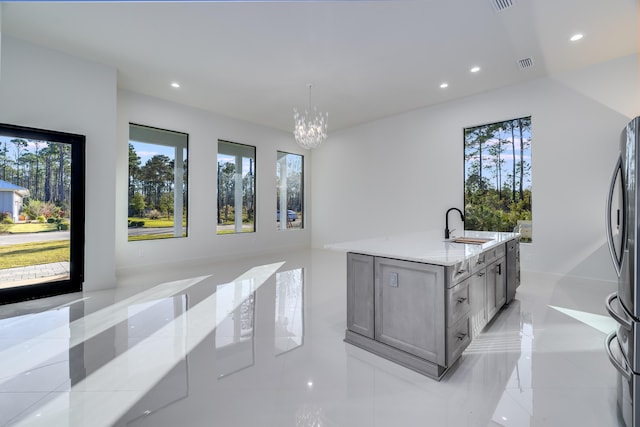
(446,220)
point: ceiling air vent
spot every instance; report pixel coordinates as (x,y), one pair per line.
(500,5)
(525,63)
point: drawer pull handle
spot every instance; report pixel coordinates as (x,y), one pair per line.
(461,300)
(461,336)
(462,271)
(480,274)
(478,262)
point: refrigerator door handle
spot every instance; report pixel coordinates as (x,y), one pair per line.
(620,365)
(620,315)
(615,256)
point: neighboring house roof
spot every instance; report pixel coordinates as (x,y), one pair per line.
(7,186)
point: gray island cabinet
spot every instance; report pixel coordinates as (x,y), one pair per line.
(423,311)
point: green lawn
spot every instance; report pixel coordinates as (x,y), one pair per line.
(153,237)
(31,228)
(233,231)
(152,223)
(35,253)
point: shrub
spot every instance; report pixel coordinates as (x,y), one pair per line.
(41,219)
(153,214)
(51,220)
(63,226)
(5,221)
(37,208)
(5,218)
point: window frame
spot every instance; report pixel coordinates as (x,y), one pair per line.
(77,204)
(239,150)
(167,138)
(279,205)
(508,219)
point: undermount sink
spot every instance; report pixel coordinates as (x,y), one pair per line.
(471,240)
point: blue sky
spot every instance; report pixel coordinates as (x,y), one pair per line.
(146,151)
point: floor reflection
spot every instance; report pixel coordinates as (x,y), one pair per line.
(260,343)
(235,332)
(518,412)
(144,356)
(289,319)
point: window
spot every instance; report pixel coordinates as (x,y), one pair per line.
(157,183)
(290,183)
(236,188)
(42,194)
(497,181)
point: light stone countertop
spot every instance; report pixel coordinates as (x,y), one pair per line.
(428,247)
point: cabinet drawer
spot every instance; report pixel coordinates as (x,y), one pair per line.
(458,302)
(457,273)
(458,338)
(493,254)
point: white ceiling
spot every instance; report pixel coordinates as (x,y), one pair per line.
(366,59)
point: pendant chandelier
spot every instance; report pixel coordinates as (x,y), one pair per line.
(309,130)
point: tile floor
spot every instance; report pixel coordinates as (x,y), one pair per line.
(259,343)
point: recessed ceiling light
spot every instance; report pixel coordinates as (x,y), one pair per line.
(175,84)
(444,85)
(576,37)
(475,69)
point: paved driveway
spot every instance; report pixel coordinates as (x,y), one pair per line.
(148,230)
(14,239)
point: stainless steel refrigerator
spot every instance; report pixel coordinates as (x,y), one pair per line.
(623,344)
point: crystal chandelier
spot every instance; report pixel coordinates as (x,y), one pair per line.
(310,131)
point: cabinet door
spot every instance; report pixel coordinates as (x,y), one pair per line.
(477,296)
(410,307)
(496,287)
(360,318)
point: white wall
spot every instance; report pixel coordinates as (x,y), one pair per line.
(401,173)
(388,176)
(204,130)
(45,89)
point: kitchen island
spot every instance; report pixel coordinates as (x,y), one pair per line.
(419,299)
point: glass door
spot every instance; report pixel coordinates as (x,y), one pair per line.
(41,213)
